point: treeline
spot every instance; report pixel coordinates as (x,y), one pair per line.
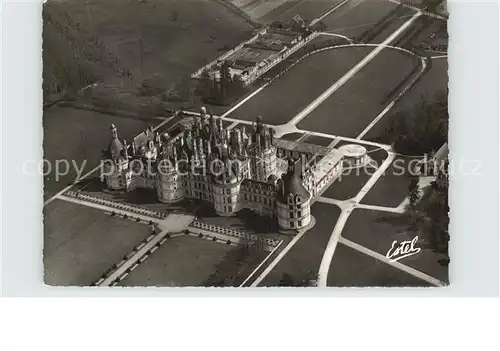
(220,91)
(429,217)
(421,129)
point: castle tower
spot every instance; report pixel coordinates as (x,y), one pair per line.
(115,170)
(293,200)
(169,182)
(263,153)
(226,192)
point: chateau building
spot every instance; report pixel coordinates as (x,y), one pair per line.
(229,169)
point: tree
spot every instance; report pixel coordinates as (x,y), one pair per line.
(413,193)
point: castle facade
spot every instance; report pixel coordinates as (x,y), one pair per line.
(229,169)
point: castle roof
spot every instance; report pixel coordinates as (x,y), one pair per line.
(115,147)
(292,184)
(143,138)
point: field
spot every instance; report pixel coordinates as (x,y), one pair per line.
(283,99)
(81,243)
(177,36)
(400,16)
(357,17)
(181,261)
(354,105)
(79,136)
(267,11)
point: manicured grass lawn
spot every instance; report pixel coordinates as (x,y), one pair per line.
(282,100)
(81,243)
(292,136)
(392,187)
(172,48)
(181,261)
(350,268)
(304,259)
(79,137)
(317,140)
(377,230)
(349,183)
(355,104)
(357,17)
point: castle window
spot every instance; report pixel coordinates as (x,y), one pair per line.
(299,223)
(290,207)
(291,214)
(292,225)
(299,214)
(230,209)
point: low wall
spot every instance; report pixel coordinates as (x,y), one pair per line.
(116,204)
(213,230)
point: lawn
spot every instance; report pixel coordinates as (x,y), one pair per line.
(292,136)
(178,36)
(181,261)
(355,104)
(81,243)
(79,137)
(377,230)
(317,140)
(282,100)
(392,187)
(350,268)
(304,258)
(349,183)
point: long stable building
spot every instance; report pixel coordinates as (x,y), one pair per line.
(230,169)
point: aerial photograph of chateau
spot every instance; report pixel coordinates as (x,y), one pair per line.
(245,143)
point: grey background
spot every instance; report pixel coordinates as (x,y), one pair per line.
(474,87)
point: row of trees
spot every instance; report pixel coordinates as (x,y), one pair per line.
(220,91)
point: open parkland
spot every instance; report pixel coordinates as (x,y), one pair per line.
(343,94)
